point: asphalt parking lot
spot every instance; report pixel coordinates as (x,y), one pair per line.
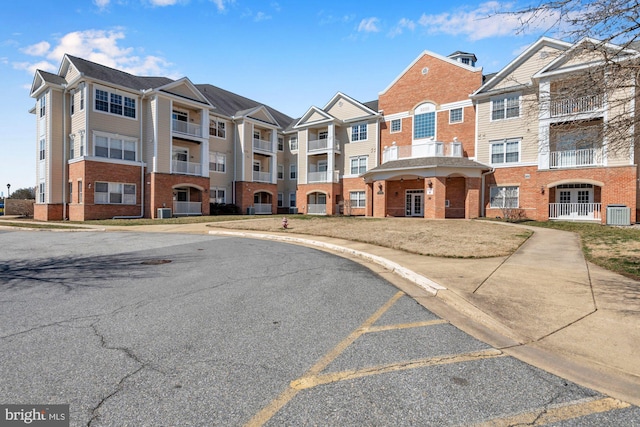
(189,330)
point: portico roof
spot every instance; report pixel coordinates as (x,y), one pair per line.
(425,167)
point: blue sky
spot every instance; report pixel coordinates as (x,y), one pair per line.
(286,54)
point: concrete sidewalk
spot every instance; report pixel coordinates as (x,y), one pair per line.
(544,304)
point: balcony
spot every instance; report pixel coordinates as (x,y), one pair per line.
(314,177)
(323,145)
(317,209)
(186,128)
(427,149)
(261,176)
(186,168)
(264,146)
(187,208)
(262,208)
(578,105)
(574,158)
(575,211)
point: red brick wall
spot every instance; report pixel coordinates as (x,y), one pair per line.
(536,192)
(245,191)
(47,212)
(332,190)
(354,184)
(160,191)
(456,192)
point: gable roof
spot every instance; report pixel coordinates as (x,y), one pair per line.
(230,104)
(41,77)
(434,55)
(519,60)
(113,76)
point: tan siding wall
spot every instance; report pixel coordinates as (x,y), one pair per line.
(522,74)
(147,108)
(347,110)
(55,166)
(315,117)
(302,156)
(72,73)
(164,135)
(183,90)
(621,157)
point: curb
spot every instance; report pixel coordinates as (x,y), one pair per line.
(421,281)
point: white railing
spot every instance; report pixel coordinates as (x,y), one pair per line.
(574,158)
(261,176)
(323,144)
(187,208)
(582,104)
(187,128)
(427,149)
(317,176)
(316,209)
(262,208)
(187,168)
(575,211)
(262,145)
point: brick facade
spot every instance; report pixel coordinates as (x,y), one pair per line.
(245,192)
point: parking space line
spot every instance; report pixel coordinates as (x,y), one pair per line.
(405,325)
(558,413)
(272,408)
(312,381)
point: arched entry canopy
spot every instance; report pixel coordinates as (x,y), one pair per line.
(187,199)
(431,187)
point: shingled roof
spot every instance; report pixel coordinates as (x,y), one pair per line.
(428,162)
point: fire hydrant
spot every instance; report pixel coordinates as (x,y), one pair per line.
(285,223)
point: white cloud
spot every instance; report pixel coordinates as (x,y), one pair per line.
(101,3)
(222,4)
(38,49)
(97,46)
(261,16)
(403,24)
(490,19)
(162,3)
(369,25)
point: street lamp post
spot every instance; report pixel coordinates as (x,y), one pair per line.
(8,190)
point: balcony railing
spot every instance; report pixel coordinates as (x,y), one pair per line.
(261,176)
(322,176)
(581,104)
(262,208)
(575,211)
(317,209)
(427,149)
(187,208)
(187,128)
(323,144)
(262,145)
(574,158)
(186,168)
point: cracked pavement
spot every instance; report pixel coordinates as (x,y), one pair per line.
(219,333)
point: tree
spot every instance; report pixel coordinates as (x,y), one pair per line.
(608,32)
(27,193)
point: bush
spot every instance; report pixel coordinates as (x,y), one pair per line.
(223,209)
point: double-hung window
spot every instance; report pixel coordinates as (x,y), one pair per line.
(72,103)
(217,162)
(359,132)
(505,107)
(357,199)
(113,148)
(42,152)
(43,105)
(293,143)
(280,169)
(504,197)
(218,195)
(293,171)
(217,128)
(505,151)
(358,165)
(292,200)
(114,193)
(114,103)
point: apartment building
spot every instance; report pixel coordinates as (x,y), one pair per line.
(441,141)
(112,144)
(335,145)
(545,142)
(427,166)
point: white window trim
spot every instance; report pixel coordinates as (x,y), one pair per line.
(217,121)
(214,158)
(358,200)
(292,199)
(116,92)
(504,98)
(292,171)
(391,126)
(113,136)
(109,184)
(293,138)
(214,191)
(358,158)
(359,125)
(280,171)
(280,200)
(461,117)
(425,108)
(505,187)
(504,143)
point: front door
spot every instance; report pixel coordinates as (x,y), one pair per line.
(575,203)
(414,205)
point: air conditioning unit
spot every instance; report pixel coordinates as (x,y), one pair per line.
(164,213)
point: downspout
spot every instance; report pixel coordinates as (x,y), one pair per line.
(65,163)
(482,204)
(142,181)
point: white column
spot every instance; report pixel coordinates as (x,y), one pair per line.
(204,147)
(331,154)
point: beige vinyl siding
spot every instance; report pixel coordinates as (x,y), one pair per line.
(524,127)
(112,123)
(164,135)
(344,110)
(183,90)
(72,73)
(148,109)
(353,150)
(522,74)
(619,107)
(315,117)
(371,133)
(302,156)
(55,165)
